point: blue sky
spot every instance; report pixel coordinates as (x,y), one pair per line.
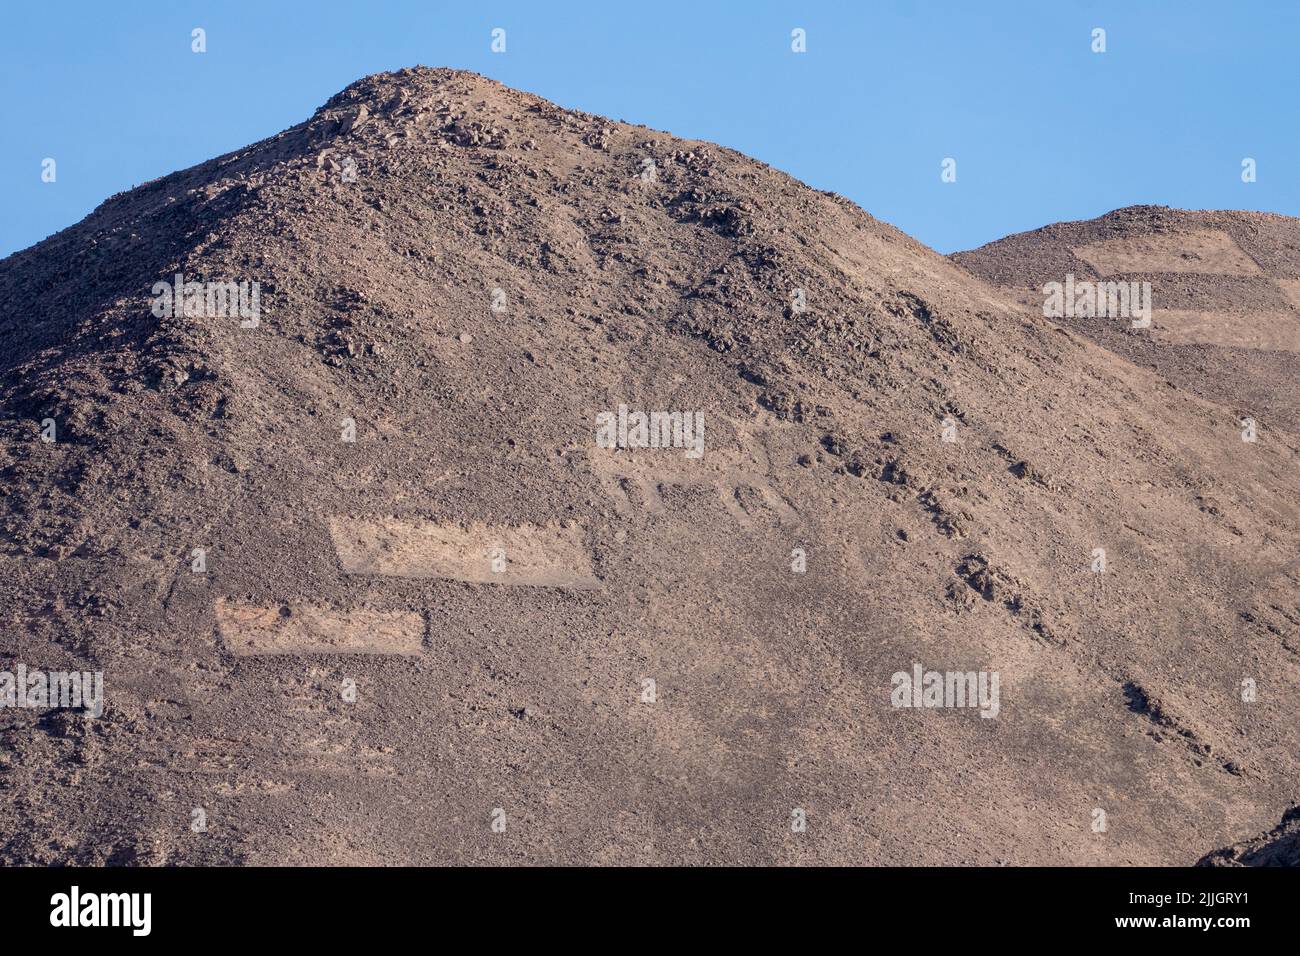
(1042,128)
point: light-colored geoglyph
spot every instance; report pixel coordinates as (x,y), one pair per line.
(1274,331)
(1208,253)
(536,555)
(249,630)
(738,474)
(1291,289)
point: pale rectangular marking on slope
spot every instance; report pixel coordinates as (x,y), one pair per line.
(530,555)
(251,630)
(1291,288)
(1212,252)
(1270,331)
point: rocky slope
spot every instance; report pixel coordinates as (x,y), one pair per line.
(1279,847)
(430,603)
(1225,291)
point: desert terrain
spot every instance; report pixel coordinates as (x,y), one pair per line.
(366,586)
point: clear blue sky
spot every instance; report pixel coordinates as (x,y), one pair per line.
(1042,128)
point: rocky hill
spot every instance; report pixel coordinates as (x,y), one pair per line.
(1224,289)
(384,569)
